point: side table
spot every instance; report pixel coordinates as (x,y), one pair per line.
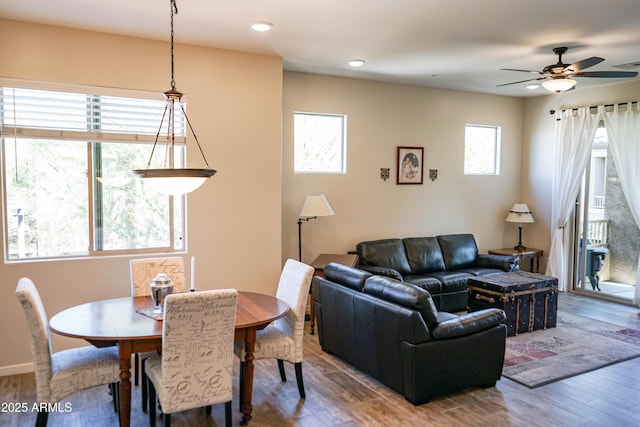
(350,260)
(528,253)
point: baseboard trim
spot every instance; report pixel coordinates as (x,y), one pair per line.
(16,369)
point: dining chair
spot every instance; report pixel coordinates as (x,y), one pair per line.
(144,270)
(66,372)
(142,273)
(195,368)
(282,340)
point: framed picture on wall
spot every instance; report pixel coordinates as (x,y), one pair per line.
(410,167)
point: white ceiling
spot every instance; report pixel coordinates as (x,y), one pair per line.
(452,44)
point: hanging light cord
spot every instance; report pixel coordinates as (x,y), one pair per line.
(174,10)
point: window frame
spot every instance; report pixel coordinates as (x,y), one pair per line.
(343,143)
(497,143)
(176,206)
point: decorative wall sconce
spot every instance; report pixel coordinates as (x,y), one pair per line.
(384,173)
(433,174)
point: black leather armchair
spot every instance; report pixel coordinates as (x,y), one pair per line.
(392,331)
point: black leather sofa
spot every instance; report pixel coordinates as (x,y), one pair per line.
(392,331)
(441,265)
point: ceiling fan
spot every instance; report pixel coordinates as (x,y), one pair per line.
(558,77)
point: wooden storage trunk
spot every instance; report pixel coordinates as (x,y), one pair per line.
(529,300)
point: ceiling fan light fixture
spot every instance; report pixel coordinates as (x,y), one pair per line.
(356,63)
(559,85)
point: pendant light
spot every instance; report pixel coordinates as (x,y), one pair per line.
(169,180)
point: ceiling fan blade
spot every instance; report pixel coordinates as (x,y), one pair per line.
(606,74)
(523,71)
(585,63)
(522,81)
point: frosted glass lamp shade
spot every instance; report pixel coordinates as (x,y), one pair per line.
(558,85)
(174,182)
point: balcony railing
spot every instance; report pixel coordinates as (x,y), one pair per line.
(597,232)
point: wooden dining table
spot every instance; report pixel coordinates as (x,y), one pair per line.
(116,322)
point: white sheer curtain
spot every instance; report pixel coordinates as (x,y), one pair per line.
(623,130)
(575,130)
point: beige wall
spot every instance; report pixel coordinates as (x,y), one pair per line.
(235,106)
(539,147)
(239,245)
(381,117)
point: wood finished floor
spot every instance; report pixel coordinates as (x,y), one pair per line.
(338,395)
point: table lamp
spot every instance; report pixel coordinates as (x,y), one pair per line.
(520,213)
(313,207)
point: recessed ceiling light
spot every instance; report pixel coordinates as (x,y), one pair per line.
(261,26)
(356,62)
(531,87)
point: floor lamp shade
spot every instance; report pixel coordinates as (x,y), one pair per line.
(312,208)
(315,206)
(520,213)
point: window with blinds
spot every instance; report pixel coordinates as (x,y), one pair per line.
(66,161)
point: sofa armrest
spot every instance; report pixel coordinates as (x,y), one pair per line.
(468,324)
(503,262)
(381,271)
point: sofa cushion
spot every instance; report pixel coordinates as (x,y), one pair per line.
(502,262)
(477,271)
(388,253)
(452,280)
(381,271)
(431,284)
(423,254)
(347,276)
(403,294)
(468,324)
(459,250)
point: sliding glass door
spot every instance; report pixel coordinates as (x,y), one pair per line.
(607,240)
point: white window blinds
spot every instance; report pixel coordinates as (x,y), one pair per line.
(53,114)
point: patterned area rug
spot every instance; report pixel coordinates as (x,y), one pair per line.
(575,346)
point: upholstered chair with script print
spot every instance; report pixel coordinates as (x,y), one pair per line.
(195,368)
(66,372)
(142,273)
(144,270)
(282,340)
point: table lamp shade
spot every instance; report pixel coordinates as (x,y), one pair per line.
(520,213)
(314,206)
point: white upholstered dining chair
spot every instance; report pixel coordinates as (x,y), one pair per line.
(66,372)
(142,272)
(282,340)
(195,368)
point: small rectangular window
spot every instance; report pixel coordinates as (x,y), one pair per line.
(481,150)
(319,143)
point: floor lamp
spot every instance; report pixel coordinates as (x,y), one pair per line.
(313,207)
(520,213)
